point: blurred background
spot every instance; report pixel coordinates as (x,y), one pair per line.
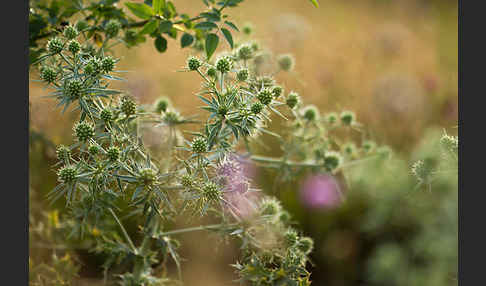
(393,62)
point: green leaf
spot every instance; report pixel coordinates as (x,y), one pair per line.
(186,40)
(149,28)
(314,2)
(160,44)
(228,36)
(211,16)
(212,41)
(140,10)
(165,26)
(205,25)
(156,4)
(233,26)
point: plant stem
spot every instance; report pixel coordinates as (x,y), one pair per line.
(124,231)
(197,228)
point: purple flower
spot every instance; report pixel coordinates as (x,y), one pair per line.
(320,191)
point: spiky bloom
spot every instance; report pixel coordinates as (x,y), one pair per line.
(84,131)
(186,180)
(242,74)
(247,28)
(147,177)
(245,52)
(70,32)
(265,96)
(73,88)
(106,115)
(48,74)
(292,99)
(348,117)
(93,149)
(199,145)
(320,191)
(224,64)
(291,237)
(93,66)
(67,174)
(113,153)
(74,46)
(349,149)
(332,118)
(171,117)
(270,207)
(277,91)
(311,113)
(193,63)
(128,106)
(63,152)
(449,142)
(368,146)
(161,105)
(212,191)
(112,28)
(107,64)
(332,160)
(55,45)
(306,244)
(256,108)
(286,62)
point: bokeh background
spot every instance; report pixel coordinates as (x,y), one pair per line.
(393,62)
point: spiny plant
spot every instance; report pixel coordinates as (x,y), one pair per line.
(109,170)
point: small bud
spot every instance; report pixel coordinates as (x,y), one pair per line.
(291,237)
(277,91)
(349,149)
(311,113)
(55,46)
(63,152)
(171,117)
(128,106)
(74,47)
(224,64)
(368,146)
(348,117)
(270,207)
(67,174)
(70,32)
(422,170)
(112,28)
(193,63)
(245,52)
(186,181)
(256,108)
(306,244)
(332,118)
(286,62)
(113,153)
(93,149)
(161,104)
(247,29)
(73,89)
(147,177)
(106,115)
(242,74)
(265,96)
(449,142)
(255,46)
(93,67)
(332,160)
(84,131)
(212,191)
(199,145)
(284,217)
(211,72)
(48,74)
(107,64)
(292,99)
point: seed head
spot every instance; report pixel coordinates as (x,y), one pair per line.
(193,63)
(63,152)
(48,74)
(73,89)
(286,62)
(242,74)
(147,177)
(291,237)
(245,52)
(277,91)
(348,117)
(74,47)
(55,45)
(311,113)
(224,64)
(107,64)
(199,145)
(265,96)
(270,207)
(306,244)
(211,72)
(106,115)
(186,180)
(93,149)
(332,160)
(84,131)
(128,106)
(112,28)
(70,32)
(113,153)
(256,108)
(212,191)
(67,174)
(292,99)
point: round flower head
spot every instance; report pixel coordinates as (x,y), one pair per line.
(113,153)
(73,88)
(106,115)
(265,96)
(320,191)
(348,117)
(63,152)
(247,29)
(161,104)
(349,149)
(449,142)
(286,62)
(332,160)
(128,106)
(284,217)
(224,64)
(93,149)
(199,145)
(70,32)
(291,237)
(211,72)
(292,99)
(306,244)
(193,63)
(212,191)
(245,52)
(270,207)
(186,180)
(55,46)
(112,28)
(107,64)
(84,131)
(311,113)
(147,177)
(332,118)
(368,146)
(74,47)
(67,174)
(256,108)
(277,91)
(48,74)
(93,67)
(242,74)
